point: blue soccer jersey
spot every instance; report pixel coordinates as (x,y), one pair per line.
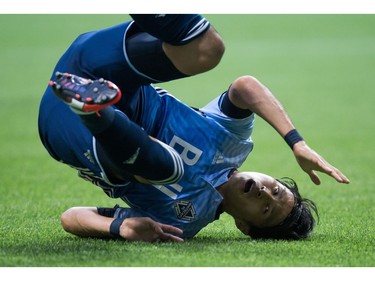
(210,143)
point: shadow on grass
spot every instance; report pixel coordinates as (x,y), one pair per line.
(73,252)
(77,245)
(70,251)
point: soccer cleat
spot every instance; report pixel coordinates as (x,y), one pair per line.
(85,95)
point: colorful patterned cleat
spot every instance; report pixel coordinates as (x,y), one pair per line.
(85,95)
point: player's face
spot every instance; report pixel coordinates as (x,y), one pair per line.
(257,199)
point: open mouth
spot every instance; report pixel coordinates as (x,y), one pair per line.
(248,185)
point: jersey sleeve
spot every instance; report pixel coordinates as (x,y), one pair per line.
(129,213)
(120,212)
(107,212)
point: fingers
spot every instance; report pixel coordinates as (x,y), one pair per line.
(165,233)
(328,169)
(333,172)
(171,229)
(310,161)
(336,174)
(170,237)
(344,178)
(340,177)
(314,178)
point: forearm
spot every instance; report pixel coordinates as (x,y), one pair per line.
(86,222)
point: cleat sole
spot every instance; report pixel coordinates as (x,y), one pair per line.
(85,94)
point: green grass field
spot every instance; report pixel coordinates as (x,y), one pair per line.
(321,67)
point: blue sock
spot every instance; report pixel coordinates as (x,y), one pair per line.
(146,54)
(125,149)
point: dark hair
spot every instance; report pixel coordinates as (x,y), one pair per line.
(297,225)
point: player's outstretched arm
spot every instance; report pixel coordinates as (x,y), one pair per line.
(190,42)
(248,93)
(87,222)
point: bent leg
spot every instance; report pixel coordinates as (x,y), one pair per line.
(188,42)
(200,55)
(123,148)
(141,52)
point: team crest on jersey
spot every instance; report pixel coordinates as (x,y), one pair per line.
(184,210)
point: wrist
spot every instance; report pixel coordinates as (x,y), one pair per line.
(293,137)
(114,228)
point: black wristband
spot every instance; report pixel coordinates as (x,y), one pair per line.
(114,228)
(292,138)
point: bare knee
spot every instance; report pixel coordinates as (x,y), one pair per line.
(200,55)
(246,82)
(211,50)
(244,89)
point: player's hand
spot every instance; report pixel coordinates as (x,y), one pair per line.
(310,162)
(146,229)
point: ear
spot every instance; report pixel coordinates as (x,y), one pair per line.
(243,226)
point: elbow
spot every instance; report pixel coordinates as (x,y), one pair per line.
(68,220)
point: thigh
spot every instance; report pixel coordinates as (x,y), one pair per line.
(100,54)
(64,136)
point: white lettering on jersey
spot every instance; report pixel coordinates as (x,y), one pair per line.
(189,149)
(166,191)
(190,155)
(177,187)
(169,192)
